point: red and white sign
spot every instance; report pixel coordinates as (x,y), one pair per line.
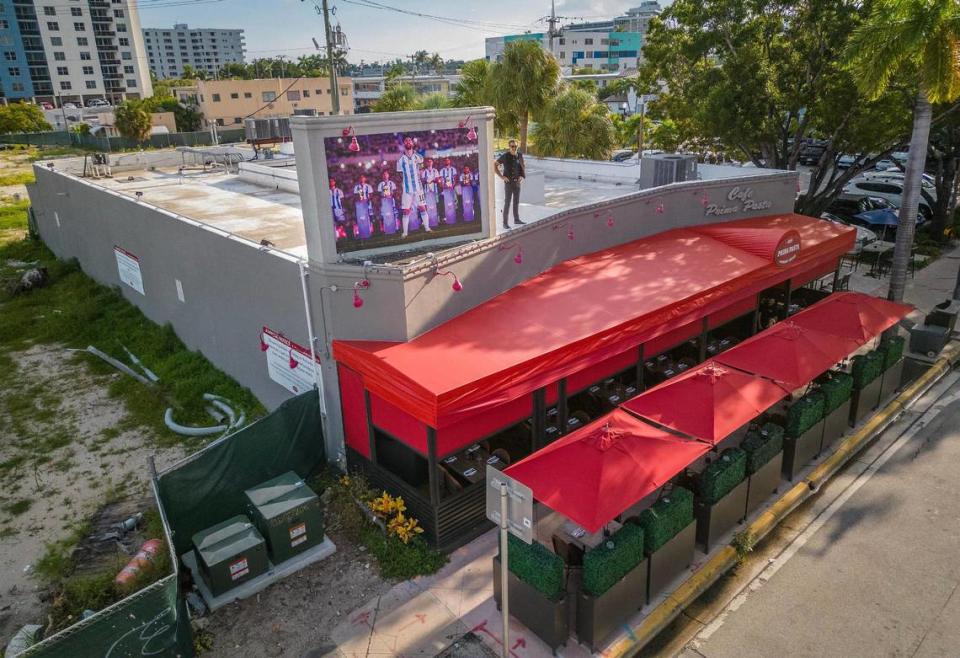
(239,569)
(288,363)
(298,534)
(788,249)
(128,267)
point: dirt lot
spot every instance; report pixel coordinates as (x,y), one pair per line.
(62,457)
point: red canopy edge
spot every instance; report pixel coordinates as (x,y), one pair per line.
(421,377)
(594,474)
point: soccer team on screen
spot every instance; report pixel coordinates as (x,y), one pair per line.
(421,188)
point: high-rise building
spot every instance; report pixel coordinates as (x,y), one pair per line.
(205,49)
(608,45)
(75,51)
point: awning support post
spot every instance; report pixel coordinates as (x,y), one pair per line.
(371,436)
(640,386)
(703,340)
(562,409)
(539,418)
(432,468)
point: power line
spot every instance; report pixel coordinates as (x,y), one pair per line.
(463,23)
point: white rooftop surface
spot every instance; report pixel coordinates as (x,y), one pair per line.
(255,212)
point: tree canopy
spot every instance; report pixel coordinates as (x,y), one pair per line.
(524,82)
(132,119)
(574,125)
(22,118)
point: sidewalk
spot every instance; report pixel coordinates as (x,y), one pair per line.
(424,616)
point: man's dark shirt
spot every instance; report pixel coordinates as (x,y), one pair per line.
(512,165)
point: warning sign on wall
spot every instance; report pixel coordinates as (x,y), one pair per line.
(288,364)
(128,266)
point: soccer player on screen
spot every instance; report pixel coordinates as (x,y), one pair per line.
(431,186)
(362,193)
(409,166)
(388,207)
(466,194)
(448,178)
(336,202)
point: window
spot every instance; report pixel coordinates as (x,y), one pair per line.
(319,92)
(10,56)
(121,27)
(4,24)
(563,54)
(293,95)
(88,70)
(76,11)
(79,27)
(563,41)
(126,55)
(247,94)
(49,11)
(268,96)
(128,69)
(85,56)
(17,86)
(216,98)
(53,26)
(118,13)
(14,71)
(131,84)
(220,122)
(344,91)
(604,42)
(234,95)
(238,121)
(83,41)
(63,70)
(306,93)
(91,84)
(66,86)
(60,57)
(124,41)
(56,41)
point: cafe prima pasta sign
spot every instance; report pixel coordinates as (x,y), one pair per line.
(787,249)
(739,199)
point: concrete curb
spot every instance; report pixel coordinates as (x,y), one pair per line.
(660,616)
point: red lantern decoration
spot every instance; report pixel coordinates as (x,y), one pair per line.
(263,344)
(518,259)
(293,362)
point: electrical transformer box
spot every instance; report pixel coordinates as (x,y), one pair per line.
(287,513)
(230,553)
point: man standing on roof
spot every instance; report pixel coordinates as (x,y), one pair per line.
(511,169)
(409,166)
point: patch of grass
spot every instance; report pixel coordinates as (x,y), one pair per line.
(91,314)
(13,215)
(401,561)
(18,178)
(55,563)
(18,508)
(80,593)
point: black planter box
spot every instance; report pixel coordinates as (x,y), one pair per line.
(865,400)
(599,616)
(715,520)
(545,618)
(799,451)
(762,484)
(891,380)
(835,424)
(670,560)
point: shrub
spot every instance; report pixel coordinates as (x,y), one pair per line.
(537,566)
(606,564)
(761,446)
(721,476)
(665,518)
(892,350)
(805,413)
(836,389)
(866,368)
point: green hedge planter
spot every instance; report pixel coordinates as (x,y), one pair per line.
(546,618)
(892,350)
(804,414)
(665,518)
(721,476)
(866,368)
(762,445)
(537,566)
(836,388)
(614,585)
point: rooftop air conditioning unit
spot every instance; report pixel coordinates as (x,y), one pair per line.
(666,168)
(272,129)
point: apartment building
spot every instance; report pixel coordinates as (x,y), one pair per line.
(228,102)
(74,51)
(603,50)
(205,49)
(369,88)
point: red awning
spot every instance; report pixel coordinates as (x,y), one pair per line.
(789,353)
(708,402)
(852,315)
(595,473)
(578,313)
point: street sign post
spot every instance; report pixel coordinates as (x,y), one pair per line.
(509,505)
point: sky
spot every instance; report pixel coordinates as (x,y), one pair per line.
(286,27)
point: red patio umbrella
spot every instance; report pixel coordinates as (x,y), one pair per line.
(595,473)
(789,353)
(709,402)
(852,315)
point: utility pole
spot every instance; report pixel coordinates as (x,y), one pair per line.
(552,23)
(334,88)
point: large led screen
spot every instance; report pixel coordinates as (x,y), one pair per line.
(390,189)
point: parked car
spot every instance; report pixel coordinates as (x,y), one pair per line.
(811,151)
(886,164)
(621,155)
(846,161)
(70,106)
(927,181)
(864,235)
(97,102)
(891,190)
(47,106)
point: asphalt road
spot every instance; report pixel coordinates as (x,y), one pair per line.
(875,572)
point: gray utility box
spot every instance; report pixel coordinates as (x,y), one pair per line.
(928,339)
(287,513)
(944,314)
(230,553)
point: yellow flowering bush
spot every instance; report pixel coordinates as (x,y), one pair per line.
(386,506)
(404,528)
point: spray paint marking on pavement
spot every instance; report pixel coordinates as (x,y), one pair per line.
(777,563)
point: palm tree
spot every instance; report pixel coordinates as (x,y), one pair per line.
(920,38)
(473,88)
(436,63)
(574,125)
(435,101)
(523,82)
